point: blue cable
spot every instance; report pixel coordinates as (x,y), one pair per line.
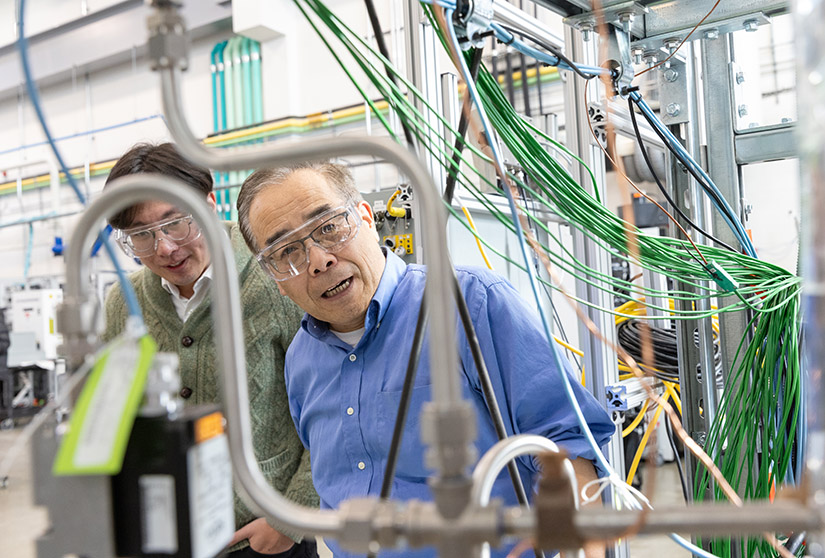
(568,389)
(27,261)
(727,212)
(31,88)
(509,39)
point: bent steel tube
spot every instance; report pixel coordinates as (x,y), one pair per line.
(497,457)
(226,315)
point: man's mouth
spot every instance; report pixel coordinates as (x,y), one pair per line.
(339,288)
(177,266)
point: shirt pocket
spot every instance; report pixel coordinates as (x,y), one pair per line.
(411,464)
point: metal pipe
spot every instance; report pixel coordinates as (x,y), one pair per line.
(446,389)
(226,314)
(700,519)
(497,457)
(508,15)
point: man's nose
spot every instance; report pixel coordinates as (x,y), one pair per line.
(319,259)
(165,246)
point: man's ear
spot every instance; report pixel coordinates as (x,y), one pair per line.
(212,201)
(365,210)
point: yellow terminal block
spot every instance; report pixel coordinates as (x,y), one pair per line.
(395,241)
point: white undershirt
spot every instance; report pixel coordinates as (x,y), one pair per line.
(185,306)
(351,338)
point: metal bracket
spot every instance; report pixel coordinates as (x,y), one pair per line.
(673,93)
(711,30)
(627,16)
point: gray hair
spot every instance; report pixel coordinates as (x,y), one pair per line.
(337,175)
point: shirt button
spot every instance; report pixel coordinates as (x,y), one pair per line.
(362,465)
(352,357)
(186,392)
(187,341)
(350,410)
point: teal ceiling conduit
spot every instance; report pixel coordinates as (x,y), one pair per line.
(233,99)
(257,81)
(213,69)
(224,67)
(246,73)
(221,86)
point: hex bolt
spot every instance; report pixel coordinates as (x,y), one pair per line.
(740,77)
(637,55)
(586,28)
(673,109)
(743,110)
(751,25)
(671,45)
(712,34)
(671,75)
(626,19)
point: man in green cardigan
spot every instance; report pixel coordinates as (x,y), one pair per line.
(173,291)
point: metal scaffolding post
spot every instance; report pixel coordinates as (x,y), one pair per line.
(600,363)
(677,88)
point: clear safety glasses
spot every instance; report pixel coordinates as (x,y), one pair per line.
(288,256)
(143,241)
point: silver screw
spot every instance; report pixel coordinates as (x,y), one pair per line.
(740,77)
(673,109)
(743,110)
(712,34)
(637,55)
(586,28)
(626,19)
(650,58)
(751,25)
(671,45)
(671,75)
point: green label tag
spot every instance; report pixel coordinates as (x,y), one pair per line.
(105,411)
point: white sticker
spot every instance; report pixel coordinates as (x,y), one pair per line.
(210,496)
(158,513)
(98,434)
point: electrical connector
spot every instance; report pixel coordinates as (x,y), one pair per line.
(722,278)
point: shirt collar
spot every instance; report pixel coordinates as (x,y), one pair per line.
(394,270)
(202,283)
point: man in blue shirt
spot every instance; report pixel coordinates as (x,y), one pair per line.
(345,368)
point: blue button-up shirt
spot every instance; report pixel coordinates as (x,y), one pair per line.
(344,400)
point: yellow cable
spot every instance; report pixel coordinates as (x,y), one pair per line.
(394,211)
(669,387)
(478,242)
(632,473)
(632,426)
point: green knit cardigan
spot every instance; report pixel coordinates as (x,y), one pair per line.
(270,320)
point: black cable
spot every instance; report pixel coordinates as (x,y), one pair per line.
(404,402)
(632,108)
(511,90)
(382,47)
(665,357)
(720,206)
(525,88)
(464,121)
(669,431)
